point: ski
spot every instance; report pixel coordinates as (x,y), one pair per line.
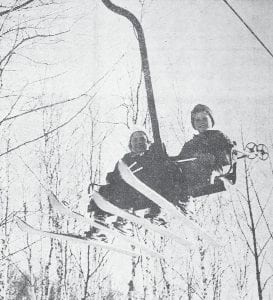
(72,238)
(112,209)
(64,210)
(134,182)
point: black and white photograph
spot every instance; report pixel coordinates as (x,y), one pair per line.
(136,150)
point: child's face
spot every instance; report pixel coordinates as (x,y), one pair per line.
(139,142)
(202,121)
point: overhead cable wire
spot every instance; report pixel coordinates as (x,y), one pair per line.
(248,27)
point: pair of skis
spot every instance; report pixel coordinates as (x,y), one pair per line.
(103,204)
(65,211)
(163,203)
(111,232)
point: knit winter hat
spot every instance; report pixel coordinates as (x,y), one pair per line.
(201,108)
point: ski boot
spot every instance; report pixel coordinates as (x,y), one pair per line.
(95,234)
(120,224)
(154,216)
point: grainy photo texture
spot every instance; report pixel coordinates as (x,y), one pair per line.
(136,149)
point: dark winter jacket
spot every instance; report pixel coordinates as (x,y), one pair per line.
(143,160)
(161,175)
(212,150)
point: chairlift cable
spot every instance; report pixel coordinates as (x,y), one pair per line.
(248,27)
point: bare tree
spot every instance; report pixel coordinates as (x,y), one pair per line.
(255,228)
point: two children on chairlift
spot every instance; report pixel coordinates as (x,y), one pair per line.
(210,148)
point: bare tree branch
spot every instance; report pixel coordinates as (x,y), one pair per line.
(22,249)
(2,13)
(241,229)
(266,281)
(262,208)
(264,246)
(50,131)
(11,52)
(40,108)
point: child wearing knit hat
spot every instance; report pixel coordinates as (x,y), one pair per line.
(211,148)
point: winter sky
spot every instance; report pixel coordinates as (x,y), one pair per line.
(199,52)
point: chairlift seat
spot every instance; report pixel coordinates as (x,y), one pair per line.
(216,187)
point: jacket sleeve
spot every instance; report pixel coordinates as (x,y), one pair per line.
(222,142)
(114,176)
(222,149)
(187,151)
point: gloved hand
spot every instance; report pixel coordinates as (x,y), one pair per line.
(113,177)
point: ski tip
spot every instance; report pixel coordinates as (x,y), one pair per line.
(54,201)
(52,197)
(21,224)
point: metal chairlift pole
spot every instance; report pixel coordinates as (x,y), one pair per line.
(146,71)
